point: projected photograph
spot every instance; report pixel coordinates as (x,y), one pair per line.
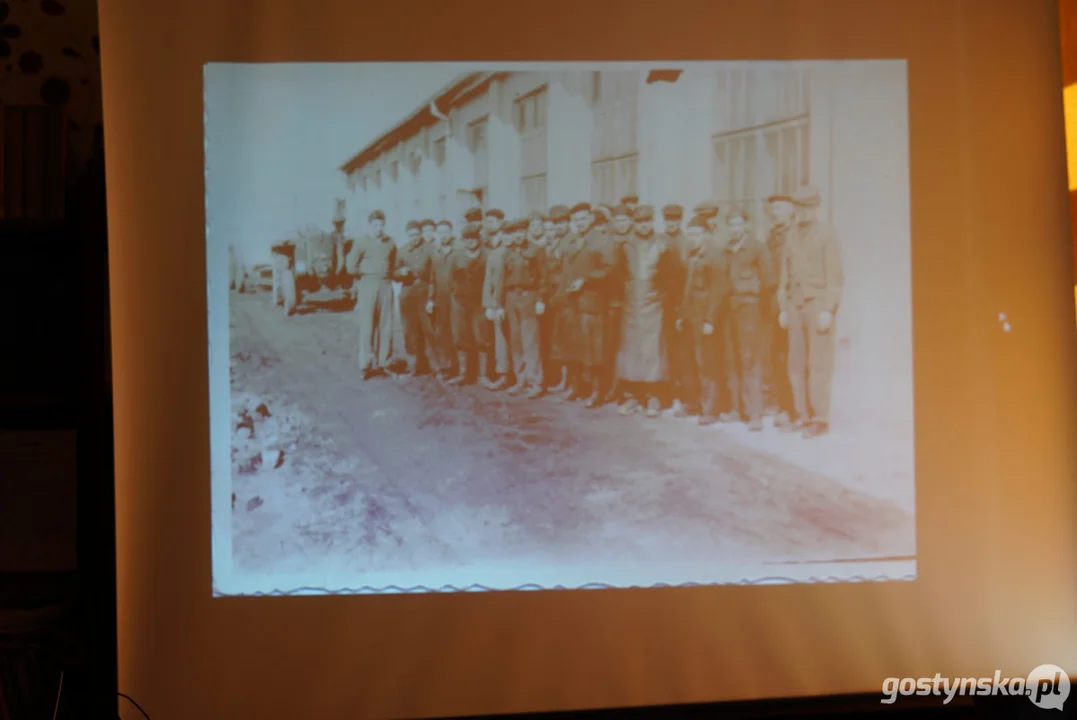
(558,326)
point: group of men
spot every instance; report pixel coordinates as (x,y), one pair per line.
(596,305)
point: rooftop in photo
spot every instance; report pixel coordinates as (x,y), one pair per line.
(451,96)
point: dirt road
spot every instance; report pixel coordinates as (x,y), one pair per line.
(406,473)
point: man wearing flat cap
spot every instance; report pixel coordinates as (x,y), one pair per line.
(586,276)
(642,363)
(709,212)
(440,306)
(698,317)
(372,262)
(809,295)
(473,215)
(523,305)
(492,222)
(779,393)
(414,273)
(558,317)
(536,229)
(602,214)
(672,216)
(750,283)
(498,377)
(631,202)
(469,323)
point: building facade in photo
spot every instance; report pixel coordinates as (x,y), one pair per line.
(524,141)
(729,133)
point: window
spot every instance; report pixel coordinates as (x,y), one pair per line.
(530,112)
(415,161)
(533,194)
(752,164)
(377,178)
(394,170)
(616,113)
(612,179)
(755,96)
(476,143)
(614,143)
(761,134)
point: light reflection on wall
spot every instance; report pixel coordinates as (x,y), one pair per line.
(1069,101)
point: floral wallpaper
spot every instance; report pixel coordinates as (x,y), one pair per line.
(49,56)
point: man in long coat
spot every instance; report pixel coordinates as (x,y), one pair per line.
(679,366)
(650,265)
(585,276)
(493,290)
(469,323)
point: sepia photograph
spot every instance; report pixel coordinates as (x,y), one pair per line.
(558,325)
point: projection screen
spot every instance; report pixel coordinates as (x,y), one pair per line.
(428,445)
(745,338)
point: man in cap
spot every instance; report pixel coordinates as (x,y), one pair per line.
(672,216)
(548,228)
(650,272)
(631,202)
(372,262)
(536,230)
(539,236)
(557,318)
(469,323)
(709,212)
(809,294)
(604,215)
(492,223)
(440,307)
(473,215)
(750,283)
(523,305)
(698,313)
(775,338)
(621,226)
(586,276)
(601,215)
(498,377)
(429,231)
(674,237)
(413,272)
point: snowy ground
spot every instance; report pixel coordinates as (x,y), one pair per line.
(405,473)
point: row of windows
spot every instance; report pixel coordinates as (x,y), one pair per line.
(747,164)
